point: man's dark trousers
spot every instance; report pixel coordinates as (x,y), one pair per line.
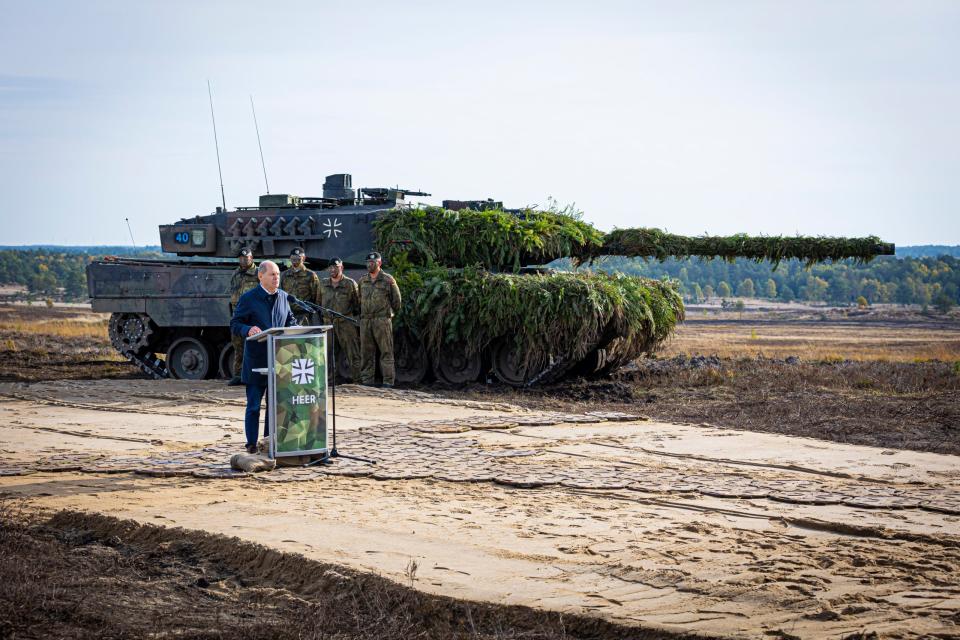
(251,425)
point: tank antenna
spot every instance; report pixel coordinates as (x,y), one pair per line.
(132,241)
(216,144)
(257,127)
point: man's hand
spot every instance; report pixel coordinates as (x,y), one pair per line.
(253,331)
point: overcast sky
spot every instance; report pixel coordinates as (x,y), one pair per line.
(766,117)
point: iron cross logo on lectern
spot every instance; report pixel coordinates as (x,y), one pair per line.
(303,371)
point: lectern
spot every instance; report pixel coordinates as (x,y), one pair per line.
(296,389)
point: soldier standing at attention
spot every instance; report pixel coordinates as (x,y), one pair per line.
(302,283)
(379,300)
(244,279)
(340,293)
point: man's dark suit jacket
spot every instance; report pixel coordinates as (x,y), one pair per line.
(254,309)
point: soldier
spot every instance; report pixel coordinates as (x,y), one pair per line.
(244,279)
(340,293)
(379,300)
(302,283)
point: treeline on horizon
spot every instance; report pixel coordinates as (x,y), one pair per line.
(59,273)
(886,279)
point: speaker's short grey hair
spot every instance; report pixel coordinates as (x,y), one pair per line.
(262,269)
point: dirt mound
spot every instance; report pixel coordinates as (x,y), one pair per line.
(85,576)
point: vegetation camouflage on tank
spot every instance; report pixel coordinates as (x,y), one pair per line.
(540,326)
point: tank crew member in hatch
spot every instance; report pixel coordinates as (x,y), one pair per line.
(379,300)
(301,283)
(244,279)
(261,308)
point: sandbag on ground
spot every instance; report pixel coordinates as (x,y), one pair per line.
(252,463)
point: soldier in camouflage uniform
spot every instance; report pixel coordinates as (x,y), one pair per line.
(379,300)
(340,293)
(244,279)
(302,283)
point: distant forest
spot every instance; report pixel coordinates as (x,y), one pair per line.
(58,272)
(917,275)
(923,281)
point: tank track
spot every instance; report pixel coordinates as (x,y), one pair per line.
(130,336)
(149,363)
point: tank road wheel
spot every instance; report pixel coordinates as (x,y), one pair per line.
(188,359)
(507,363)
(130,332)
(226,361)
(410,358)
(454,366)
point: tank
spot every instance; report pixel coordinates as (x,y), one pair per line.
(478,301)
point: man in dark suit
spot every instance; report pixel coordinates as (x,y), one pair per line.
(261,308)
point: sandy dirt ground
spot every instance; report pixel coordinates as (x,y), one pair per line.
(680,527)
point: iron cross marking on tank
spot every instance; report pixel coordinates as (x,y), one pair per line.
(333,229)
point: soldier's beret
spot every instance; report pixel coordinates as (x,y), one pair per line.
(336,261)
(373,255)
(297,251)
(245,252)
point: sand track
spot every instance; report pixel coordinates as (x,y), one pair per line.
(682,528)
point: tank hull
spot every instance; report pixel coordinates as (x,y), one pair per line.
(159,306)
(172,319)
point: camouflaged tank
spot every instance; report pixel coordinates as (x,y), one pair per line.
(478,302)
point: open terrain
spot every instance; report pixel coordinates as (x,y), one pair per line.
(712,495)
(891,334)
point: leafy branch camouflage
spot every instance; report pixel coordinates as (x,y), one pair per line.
(563,315)
(658,244)
(497,239)
(505,241)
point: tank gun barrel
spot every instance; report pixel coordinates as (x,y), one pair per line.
(504,241)
(654,243)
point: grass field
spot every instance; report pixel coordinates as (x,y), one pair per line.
(40,342)
(827,340)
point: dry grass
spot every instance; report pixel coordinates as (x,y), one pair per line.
(49,343)
(893,405)
(824,340)
(79,327)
